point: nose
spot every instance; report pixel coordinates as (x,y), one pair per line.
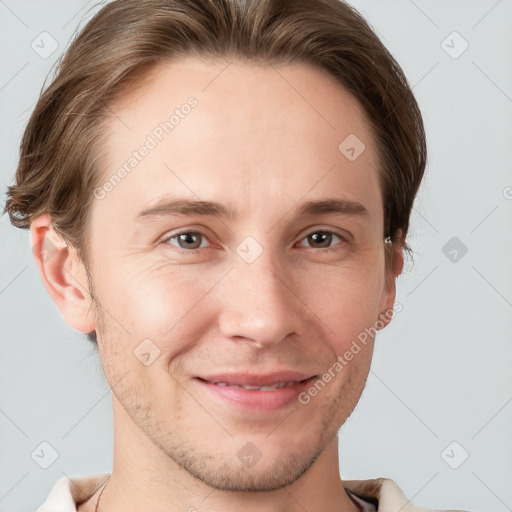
(258,304)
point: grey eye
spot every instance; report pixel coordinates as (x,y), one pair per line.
(188,240)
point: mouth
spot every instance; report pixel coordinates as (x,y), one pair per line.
(269,396)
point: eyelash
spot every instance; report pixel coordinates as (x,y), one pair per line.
(323,249)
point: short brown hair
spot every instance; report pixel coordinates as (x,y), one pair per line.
(58,172)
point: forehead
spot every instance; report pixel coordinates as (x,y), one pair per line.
(274,132)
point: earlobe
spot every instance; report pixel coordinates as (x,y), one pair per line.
(63,274)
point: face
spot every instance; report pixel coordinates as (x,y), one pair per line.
(272,282)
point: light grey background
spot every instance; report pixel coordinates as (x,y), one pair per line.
(441,370)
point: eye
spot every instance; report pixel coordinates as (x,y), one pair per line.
(194,240)
(187,240)
(321,239)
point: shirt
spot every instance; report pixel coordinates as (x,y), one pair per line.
(377,495)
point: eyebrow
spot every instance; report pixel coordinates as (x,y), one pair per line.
(329,206)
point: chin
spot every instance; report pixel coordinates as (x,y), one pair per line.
(231,475)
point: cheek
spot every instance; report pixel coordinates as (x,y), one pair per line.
(158,302)
(345,300)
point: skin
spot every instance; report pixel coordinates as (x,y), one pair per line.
(262,140)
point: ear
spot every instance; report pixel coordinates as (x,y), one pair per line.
(387,303)
(63,274)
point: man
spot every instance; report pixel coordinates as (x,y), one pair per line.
(219,193)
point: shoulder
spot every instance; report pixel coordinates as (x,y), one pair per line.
(389,496)
(70,491)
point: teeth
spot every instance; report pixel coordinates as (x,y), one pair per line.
(259,388)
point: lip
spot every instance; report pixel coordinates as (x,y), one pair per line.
(257,379)
(256,400)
